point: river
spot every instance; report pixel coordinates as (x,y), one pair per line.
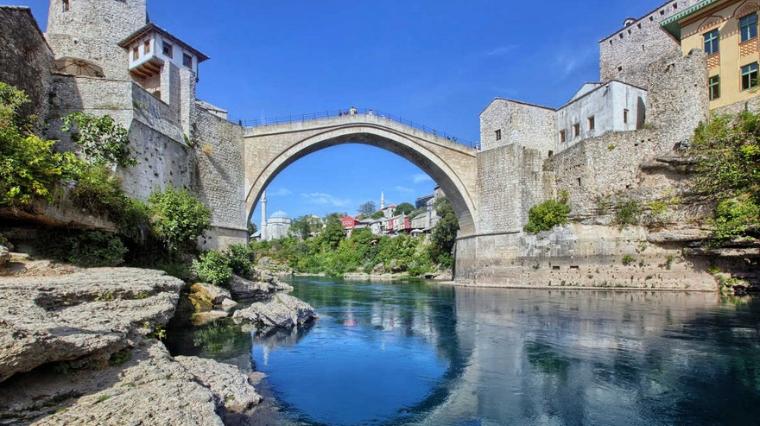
(416,353)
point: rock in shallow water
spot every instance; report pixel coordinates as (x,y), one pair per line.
(203,318)
(243,289)
(92,314)
(281,310)
(5,256)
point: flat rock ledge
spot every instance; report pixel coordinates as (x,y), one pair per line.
(279,311)
(149,388)
(82,317)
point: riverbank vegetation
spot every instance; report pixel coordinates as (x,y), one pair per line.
(161,232)
(727,151)
(329,251)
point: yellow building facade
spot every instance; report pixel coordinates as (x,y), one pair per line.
(727,30)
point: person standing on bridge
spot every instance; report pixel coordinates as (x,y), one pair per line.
(353,111)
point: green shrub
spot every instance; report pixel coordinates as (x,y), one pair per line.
(628,259)
(95,249)
(736,217)
(213,267)
(547,215)
(29,167)
(627,212)
(240,258)
(178,218)
(100,139)
(444,234)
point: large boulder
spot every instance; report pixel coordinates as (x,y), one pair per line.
(84,316)
(266,285)
(279,311)
(202,318)
(148,388)
(205,297)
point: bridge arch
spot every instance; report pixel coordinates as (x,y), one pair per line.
(271,149)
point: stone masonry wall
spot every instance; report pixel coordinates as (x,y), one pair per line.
(219,152)
(522,124)
(25,58)
(626,54)
(92,29)
(611,163)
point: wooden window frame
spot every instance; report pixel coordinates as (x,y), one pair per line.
(712,36)
(713,83)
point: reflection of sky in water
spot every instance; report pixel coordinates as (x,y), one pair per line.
(435,355)
(346,371)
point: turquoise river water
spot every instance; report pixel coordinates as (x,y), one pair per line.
(416,353)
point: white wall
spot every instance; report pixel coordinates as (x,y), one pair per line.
(156,50)
(606,104)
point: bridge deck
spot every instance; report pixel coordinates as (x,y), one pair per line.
(368,117)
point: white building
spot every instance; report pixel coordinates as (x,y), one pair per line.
(153,54)
(595,109)
(278,226)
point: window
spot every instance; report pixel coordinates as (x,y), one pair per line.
(576,130)
(168,49)
(146,46)
(749,76)
(591,123)
(66,6)
(711,42)
(562,136)
(625,116)
(748,27)
(714,87)
(498,135)
(187,60)
(135,53)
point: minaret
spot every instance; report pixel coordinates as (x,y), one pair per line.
(264,216)
(382,200)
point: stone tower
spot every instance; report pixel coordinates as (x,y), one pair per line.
(263,231)
(92,29)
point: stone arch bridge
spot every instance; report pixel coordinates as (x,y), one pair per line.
(269,149)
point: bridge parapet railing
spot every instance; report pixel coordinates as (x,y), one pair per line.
(350,113)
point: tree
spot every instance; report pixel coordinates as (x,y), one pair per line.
(377,215)
(367,208)
(302,227)
(403,208)
(332,234)
(251,228)
(444,234)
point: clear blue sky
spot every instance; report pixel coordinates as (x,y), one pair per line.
(432,61)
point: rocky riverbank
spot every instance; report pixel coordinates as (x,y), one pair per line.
(83,346)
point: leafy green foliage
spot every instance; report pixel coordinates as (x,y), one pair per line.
(547,215)
(213,267)
(332,234)
(88,249)
(302,227)
(252,228)
(444,234)
(727,149)
(178,218)
(627,212)
(100,139)
(403,208)
(29,167)
(240,258)
(377,215)
(628,259)
(736,217)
